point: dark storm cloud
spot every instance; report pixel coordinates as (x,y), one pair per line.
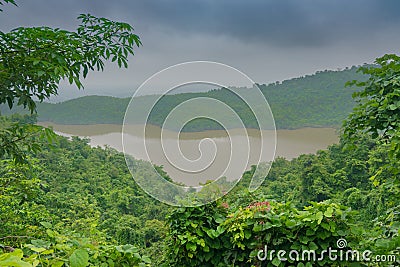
(268,40)
(278,23)
(290,22)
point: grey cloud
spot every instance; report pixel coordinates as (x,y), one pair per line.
(280,23)
(287,23)
(268,40)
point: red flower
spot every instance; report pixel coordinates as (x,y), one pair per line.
(225,205)
(262,206)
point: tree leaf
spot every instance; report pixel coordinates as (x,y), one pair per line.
(79,258)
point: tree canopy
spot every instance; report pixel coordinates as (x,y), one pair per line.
(378,109)
(33,62)
(2,2)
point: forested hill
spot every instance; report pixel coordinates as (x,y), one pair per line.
(318,100)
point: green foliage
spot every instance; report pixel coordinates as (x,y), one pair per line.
(282,227)
(104,110)
(205,236)
(89,192)
(377,112)
(388,225)
(318,100)
(85,191)
(18,136)
(73,251)
(20,188)
(195,237)
(33,61)
(321,176)
(7,2)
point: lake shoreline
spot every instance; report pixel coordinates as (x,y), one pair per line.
(119,126)
(290,142)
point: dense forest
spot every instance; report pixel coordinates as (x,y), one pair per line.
(74,199)
(74,205)
(65,203)
(318,100)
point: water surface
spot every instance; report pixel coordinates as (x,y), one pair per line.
(208,151)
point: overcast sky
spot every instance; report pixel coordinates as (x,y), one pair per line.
(269,40)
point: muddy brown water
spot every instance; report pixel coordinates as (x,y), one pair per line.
(198,156)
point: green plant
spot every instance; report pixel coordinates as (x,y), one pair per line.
(59,250)
(195,236)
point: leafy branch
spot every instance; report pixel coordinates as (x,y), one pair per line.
(33,61)
(2,2)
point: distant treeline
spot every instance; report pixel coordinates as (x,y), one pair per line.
(318,100)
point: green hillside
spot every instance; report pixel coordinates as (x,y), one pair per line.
(85,110)
(318,100)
